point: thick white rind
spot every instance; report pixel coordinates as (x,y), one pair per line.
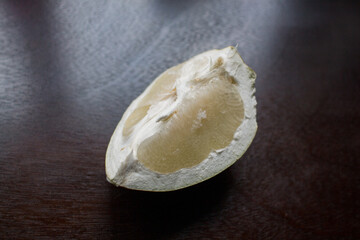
(123,170)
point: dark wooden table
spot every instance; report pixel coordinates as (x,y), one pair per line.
(69,69)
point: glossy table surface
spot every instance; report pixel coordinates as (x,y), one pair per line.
(69,69)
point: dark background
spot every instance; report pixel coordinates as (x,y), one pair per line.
(69,69)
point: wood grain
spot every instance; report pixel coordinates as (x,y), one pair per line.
(69,69)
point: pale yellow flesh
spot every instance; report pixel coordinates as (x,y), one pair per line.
(204,121)
(162,88)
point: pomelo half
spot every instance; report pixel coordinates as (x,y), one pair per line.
(193,121)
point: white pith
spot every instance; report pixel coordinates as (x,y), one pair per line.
(122,165)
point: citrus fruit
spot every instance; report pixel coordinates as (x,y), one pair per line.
(193,121)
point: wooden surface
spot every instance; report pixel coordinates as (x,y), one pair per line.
(69,69)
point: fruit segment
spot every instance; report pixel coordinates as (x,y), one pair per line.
(204,119)
(192,122)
